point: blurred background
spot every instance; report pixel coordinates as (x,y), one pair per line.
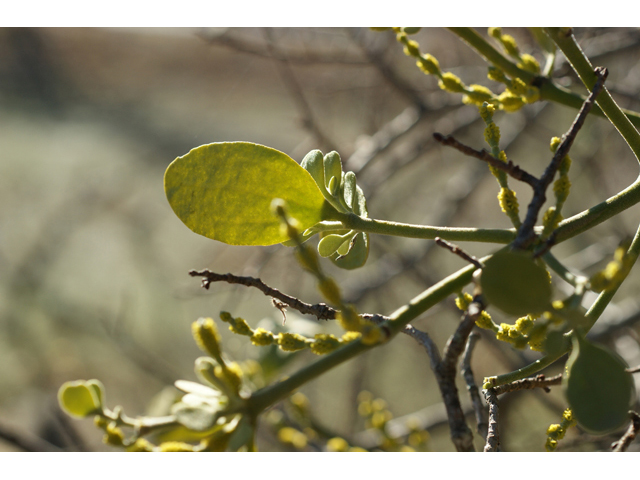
(93,262)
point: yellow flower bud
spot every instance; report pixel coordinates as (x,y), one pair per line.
(207,338)
(291,342)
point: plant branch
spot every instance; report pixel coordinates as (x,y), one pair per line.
(482,420)
(446,371)
(548,90)
(581,64)
(455,249)
(383,227)
(509,168)
(321,311)
(630,435)
(525,233)
(491,395)
(539,381)
(493,433)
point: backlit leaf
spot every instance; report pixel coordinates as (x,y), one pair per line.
(224,191)
(515,283)
(598,389)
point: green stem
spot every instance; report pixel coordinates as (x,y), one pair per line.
(383,227)
(265,397)
(581,64)
(548,89)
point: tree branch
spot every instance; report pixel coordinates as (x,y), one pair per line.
(630,435)
(472,388)
(509,168)
(526,233)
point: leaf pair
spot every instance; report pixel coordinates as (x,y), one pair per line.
(224,191)
(347,249)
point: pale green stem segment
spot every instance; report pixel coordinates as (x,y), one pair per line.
(548,89)
(263,398)
(581,64)
(383,227)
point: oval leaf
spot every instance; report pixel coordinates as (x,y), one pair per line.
(598,389)
(356,256)
(515,283)
(79,399)
(224,191)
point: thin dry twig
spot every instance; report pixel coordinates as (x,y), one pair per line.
(509,168)
(321,311)
(630,435)
(479,409)
(633,369)
(526,233)
(453,248)
(539,381)
(491,395)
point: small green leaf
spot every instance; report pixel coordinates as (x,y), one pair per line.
(598,389)
(224,191)
(513,282)
(356,256)
(349,189)
(332,169)
(79,399)
(314,164)
(329,244)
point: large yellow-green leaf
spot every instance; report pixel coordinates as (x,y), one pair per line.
(224,191)
(598,389)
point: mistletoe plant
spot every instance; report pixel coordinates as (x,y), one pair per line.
(242,193)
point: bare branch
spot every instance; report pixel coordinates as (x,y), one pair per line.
(633,370)
(472,388)
(509,168)
(526,233)
(453,248)
(539,381)
(630,435)
(493,432)
(491,395)
(425,340)
(321,311)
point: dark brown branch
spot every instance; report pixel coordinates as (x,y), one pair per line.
(425,340)
(630,435)
(459,251)
(633,370)
(478,408)
(493,432)
(321,311)
(446,371)
(539,381)
(526,233)
(509,168)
